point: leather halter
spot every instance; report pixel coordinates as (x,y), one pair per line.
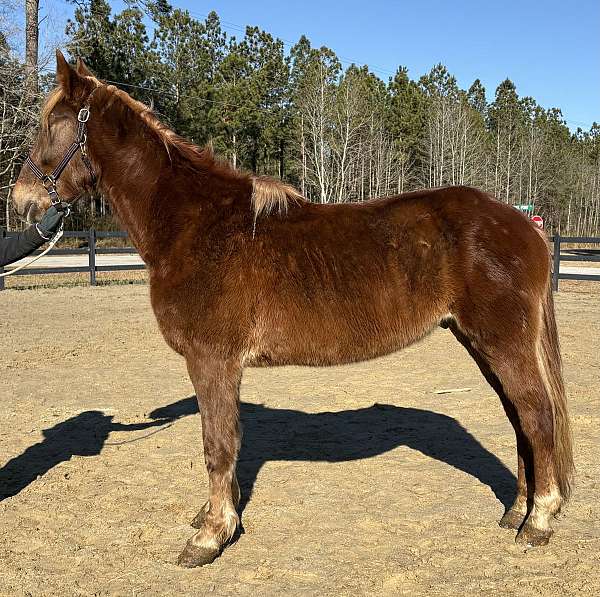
(49,180)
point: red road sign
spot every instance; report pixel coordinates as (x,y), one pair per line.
(539,221)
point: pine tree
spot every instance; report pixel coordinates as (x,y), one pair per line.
(188,55)
(114,48)
(476,97)
(506,120)
(407,115)
(253,102)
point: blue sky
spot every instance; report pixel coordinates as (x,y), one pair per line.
(550,49)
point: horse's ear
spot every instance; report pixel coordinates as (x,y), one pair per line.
(67,76)
(82,69)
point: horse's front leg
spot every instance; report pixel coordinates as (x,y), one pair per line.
(236,494)
(216,382)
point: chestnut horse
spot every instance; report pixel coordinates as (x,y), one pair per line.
(245,272)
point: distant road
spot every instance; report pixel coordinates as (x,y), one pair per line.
(590,271)
(134,259)
(81,260)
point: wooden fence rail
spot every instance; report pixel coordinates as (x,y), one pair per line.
(588,255)
(92,250)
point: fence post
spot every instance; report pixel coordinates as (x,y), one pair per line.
(3,235)
(92,254)
(556,263)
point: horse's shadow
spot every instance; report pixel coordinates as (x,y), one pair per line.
(82,435)
(282,434)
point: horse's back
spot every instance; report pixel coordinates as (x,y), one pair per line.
(354,281)
(350,282)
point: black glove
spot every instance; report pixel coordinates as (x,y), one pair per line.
(49,224)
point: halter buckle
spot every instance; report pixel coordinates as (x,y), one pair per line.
(84,114)
(49,182)
(55,199)
(82,144)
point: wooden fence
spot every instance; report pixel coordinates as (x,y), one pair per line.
(92,249)
(574,254)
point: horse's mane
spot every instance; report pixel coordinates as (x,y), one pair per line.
(268,194)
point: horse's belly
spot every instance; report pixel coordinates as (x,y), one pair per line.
(335,340)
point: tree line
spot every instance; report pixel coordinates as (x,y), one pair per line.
(339,133)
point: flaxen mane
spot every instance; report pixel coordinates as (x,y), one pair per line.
(268,194)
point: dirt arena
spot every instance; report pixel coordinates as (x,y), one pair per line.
(358,480)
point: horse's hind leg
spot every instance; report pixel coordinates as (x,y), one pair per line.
(521,350)
(217,387)
(525,389)
(515,515)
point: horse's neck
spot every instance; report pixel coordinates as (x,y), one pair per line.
(157,196)
(143,196)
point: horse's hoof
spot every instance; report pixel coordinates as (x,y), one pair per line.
(193,556)
(531,537)
(512,520)
(199,519)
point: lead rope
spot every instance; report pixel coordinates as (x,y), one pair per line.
(57,236)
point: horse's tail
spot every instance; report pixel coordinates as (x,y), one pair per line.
(551,365)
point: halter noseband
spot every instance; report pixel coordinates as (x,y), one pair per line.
(49,180)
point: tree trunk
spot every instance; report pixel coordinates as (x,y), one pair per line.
(234,153)
(281,158)
(31,44)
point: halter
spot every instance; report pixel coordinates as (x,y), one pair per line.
(49,180)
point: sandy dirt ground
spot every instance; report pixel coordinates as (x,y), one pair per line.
(357,480)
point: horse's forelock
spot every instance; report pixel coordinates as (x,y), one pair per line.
(55,96)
